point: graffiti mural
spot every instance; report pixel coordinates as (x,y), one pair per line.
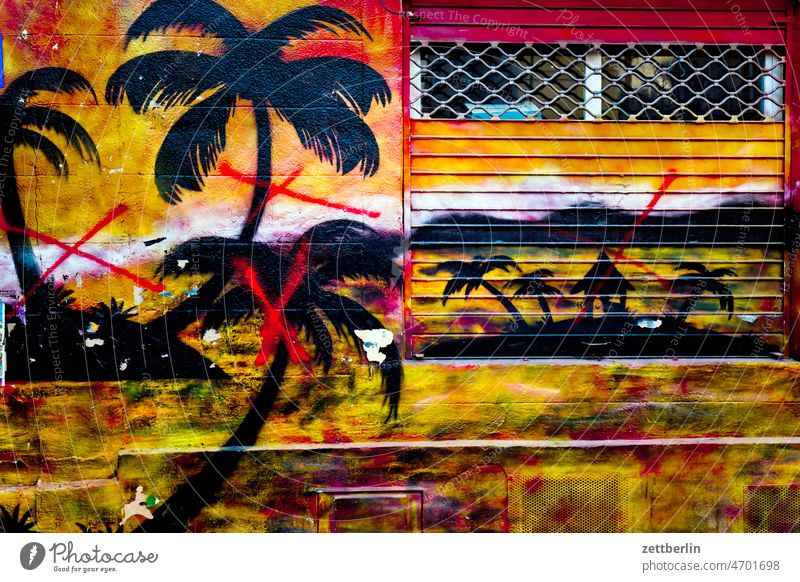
(206,293)
(320,266)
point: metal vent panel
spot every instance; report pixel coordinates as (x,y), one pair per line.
(568,504)
(772,509)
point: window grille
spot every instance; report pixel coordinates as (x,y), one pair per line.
(523,81)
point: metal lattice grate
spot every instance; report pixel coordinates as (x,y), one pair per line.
(508,81)
(568,505)
(772,509)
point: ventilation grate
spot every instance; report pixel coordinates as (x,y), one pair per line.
(772,509)
(568,505)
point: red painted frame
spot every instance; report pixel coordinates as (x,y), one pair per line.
(792,196)
(623,21)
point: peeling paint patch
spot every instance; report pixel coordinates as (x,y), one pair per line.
(138,295)
(140,506)
(374,340)
(211,336)
(90,343)
(649,323)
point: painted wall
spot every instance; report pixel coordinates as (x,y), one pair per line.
(204,241)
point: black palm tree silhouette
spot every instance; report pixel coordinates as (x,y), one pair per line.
(13,522)
(534,284)
(705,280)
(468,276)
(605,281)
(324,98)
(331,253)
(18,124)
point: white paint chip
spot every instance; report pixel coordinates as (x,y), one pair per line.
(374,340)
(138,295)
(649,323)
(182,263)
(90,343)
(211,336)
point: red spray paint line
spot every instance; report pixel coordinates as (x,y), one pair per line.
(226,170)
(105,221)
(620,255)
(275,328)
(671,176)
(47,239)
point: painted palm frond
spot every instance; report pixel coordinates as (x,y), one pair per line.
(143,82)
(304,21)
(336,135)
(348,316)
(192,147)
(718,273)
(469,276)
(206,255)
(502,262)
(45,118)
(207,16)
(341,250)
(312,82)
(51,152)
(48,79)
(318,334)
(534,284)
(113,312)
(14,522)
(699,268)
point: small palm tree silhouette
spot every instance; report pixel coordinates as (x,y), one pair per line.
(469,275)
(19,122)
(533,284)
(705,280)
